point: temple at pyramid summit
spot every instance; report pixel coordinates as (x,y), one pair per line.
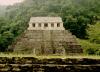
(46,23)
(46,36)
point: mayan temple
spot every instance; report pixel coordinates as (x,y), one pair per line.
(46,35)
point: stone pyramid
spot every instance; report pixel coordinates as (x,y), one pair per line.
(46,42)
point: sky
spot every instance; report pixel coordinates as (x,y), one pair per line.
(9,2)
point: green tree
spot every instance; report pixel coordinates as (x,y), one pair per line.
(77,25)
(94,33)
(5,39)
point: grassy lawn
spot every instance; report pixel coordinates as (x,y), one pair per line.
(48,56)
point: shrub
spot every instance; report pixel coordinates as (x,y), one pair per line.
(91,51)
(90,48)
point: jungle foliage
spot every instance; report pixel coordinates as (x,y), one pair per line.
(77,15)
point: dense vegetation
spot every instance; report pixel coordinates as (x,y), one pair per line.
(92,45)
(79,16)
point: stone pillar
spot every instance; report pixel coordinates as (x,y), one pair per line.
(55,26)
(36,26)
(61,26)
(42,26)
(49,26)
(30,26)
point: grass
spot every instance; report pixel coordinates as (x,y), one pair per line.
(10,55)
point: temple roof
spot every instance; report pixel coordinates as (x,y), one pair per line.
(45,19)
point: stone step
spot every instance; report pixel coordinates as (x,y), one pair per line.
(51,67)
(36,41)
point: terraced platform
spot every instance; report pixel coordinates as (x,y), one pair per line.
(44,42)
(31,64)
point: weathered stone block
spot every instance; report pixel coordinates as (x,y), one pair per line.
(41,42)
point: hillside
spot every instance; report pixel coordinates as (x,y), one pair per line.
(2,10)
(77,15)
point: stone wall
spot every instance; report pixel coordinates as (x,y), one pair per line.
(30,64)
(41,42)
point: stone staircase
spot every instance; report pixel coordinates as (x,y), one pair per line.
(31,64)
(41,42)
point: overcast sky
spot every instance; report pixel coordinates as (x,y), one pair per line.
(9,2)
